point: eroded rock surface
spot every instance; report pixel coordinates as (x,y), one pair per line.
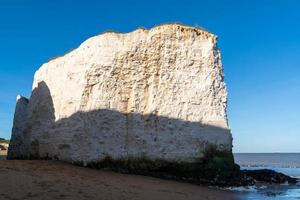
(16,145)
(155,93)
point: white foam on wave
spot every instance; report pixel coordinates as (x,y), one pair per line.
(243,189)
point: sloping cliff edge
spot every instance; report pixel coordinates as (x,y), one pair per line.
(149,102)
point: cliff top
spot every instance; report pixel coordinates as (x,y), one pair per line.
(159,28)
(165,26)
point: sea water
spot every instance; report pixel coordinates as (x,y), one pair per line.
(287,163)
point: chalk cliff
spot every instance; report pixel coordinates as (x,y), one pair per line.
(16,144)
(157,93)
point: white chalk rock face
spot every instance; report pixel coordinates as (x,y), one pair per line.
(157,93)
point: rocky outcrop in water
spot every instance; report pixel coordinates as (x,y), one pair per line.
(269,176)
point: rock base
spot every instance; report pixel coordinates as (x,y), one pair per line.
(216,169)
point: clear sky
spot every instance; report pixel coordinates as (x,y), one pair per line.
(259,41)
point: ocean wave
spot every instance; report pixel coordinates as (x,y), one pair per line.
(270,166)
(243,189)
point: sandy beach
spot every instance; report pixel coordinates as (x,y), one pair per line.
(35,179)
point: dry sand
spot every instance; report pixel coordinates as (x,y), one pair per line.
(32,179)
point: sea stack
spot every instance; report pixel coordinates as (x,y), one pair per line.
(156,94)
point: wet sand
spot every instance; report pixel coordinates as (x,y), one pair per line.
(3,154)
(35,179)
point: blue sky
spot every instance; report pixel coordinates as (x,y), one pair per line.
(259,40)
